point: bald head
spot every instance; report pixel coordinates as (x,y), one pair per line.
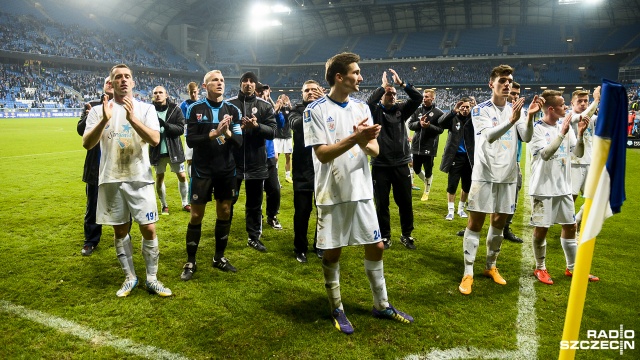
(160,95)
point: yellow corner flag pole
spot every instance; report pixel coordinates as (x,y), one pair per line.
(584,256)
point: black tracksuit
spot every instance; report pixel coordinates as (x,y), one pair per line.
(390,168)
(455,162)
(424,145)
(92,231)
(251,158)
(303,174)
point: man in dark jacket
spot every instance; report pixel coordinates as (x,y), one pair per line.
(391,167)
(169,150)
(424,146)
(303,173)
(92,231)
(258,125)
(213,131)
(457,159)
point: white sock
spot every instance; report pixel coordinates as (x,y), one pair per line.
(184,192)
(189,170)
(494,242)
(540,252)
(427,183)
(570,247)
(411,172)
(451,207)
(460,206)
(151,254)
(287,174)
(420,175)
(375,273)
(331,273)
(470,247)
(162,194)
(124,252)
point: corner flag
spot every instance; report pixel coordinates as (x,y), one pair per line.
(604,187)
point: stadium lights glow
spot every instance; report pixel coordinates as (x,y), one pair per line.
(581,67)
(527,88)
(612,54)
(569,40)
(543,87)
(578,87)
(560,87)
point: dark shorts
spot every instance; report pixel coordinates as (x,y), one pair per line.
(425,162)
(460,171)
(222,189)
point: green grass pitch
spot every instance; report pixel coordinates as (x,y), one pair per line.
(275,307)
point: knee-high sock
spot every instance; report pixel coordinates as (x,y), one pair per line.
(222,237)
(375,274)
(470,246)
(162,194)
(184,192)
(427,183)
(411,172)
(193,240)
(124,252)
(332,284)
(421,176)
(151,253)
(451,207)
(570,247)
(540,252)
(460,206)
(189,170)
(494,242)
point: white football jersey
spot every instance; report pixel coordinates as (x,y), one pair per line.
(495,162)
(551,177)
(347,177)
(124,155)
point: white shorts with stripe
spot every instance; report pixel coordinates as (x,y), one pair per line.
(119,202)
(491,198)
(549,210)
(578,178)
(350,223)
(283,146)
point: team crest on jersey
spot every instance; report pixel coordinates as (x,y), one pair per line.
(431,113)
(475,111)
(547,137)
(398,113)
(254,110)
(307,116)
(494,121)
(458,126)
(331,124)
(199,117)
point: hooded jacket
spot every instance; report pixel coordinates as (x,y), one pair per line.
(460,127)
(393,139)
(302,171)
(251,157)
(425,140)
(173,128)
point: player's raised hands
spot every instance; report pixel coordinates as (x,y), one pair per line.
(583,124)
(517,106)
(396,77)
(536,105)
(106,108)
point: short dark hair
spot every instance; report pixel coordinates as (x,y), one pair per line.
(119,66)
(339,64)
(500,70)
(515,85)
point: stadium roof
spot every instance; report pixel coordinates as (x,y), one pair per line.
(233,19)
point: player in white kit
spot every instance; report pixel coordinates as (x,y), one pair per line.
(494,175)
(125,127)
(551,147)
(341,131)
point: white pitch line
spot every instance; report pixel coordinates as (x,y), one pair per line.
(94,337)
(41,154)
(526,321)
